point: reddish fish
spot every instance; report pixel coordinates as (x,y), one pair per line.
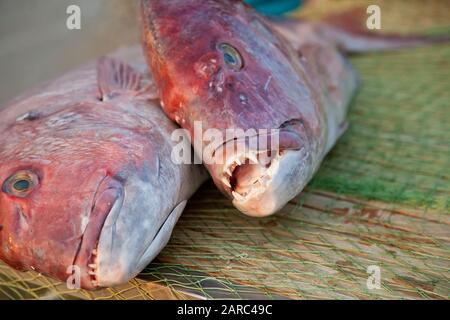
(221,63)
(86,178)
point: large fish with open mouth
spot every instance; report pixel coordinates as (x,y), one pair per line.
(86,175)
(220,63)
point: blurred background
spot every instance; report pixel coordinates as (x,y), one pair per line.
(37,46)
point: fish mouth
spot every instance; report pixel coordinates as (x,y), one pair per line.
(245,174)
(262,190)
(248,175)
(253,176)
(108,200)
(130,241)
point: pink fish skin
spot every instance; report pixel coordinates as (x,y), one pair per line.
(265,84)
(85,175)
(220,63)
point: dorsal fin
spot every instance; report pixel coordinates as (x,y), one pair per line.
(115,77)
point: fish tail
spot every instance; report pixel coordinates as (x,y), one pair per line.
(349,32)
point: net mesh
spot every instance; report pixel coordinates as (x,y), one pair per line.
(381,198)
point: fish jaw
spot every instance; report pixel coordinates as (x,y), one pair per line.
(262,173)
(282,181)
(261,182)
(108,201)
(134,235)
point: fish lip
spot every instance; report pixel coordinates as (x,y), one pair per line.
(108,198)
(248,193)
(278,189)
(120,263)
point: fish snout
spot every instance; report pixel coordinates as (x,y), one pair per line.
(131,240)
(281,182)
(256,175)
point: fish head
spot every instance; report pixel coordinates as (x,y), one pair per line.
(222,63)
(220,56)
(80,199)
(262,172)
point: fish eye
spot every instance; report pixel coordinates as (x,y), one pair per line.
(231,56)
(21,184)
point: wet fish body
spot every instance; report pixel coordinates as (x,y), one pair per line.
(88,187)
(221,63)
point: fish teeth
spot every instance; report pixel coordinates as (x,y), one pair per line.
(237,196)
(95,252)
(92,273)
(92,266)
(266,179)
(253,159)
(228,171)
(238,161)
(95,283)
(227,183)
